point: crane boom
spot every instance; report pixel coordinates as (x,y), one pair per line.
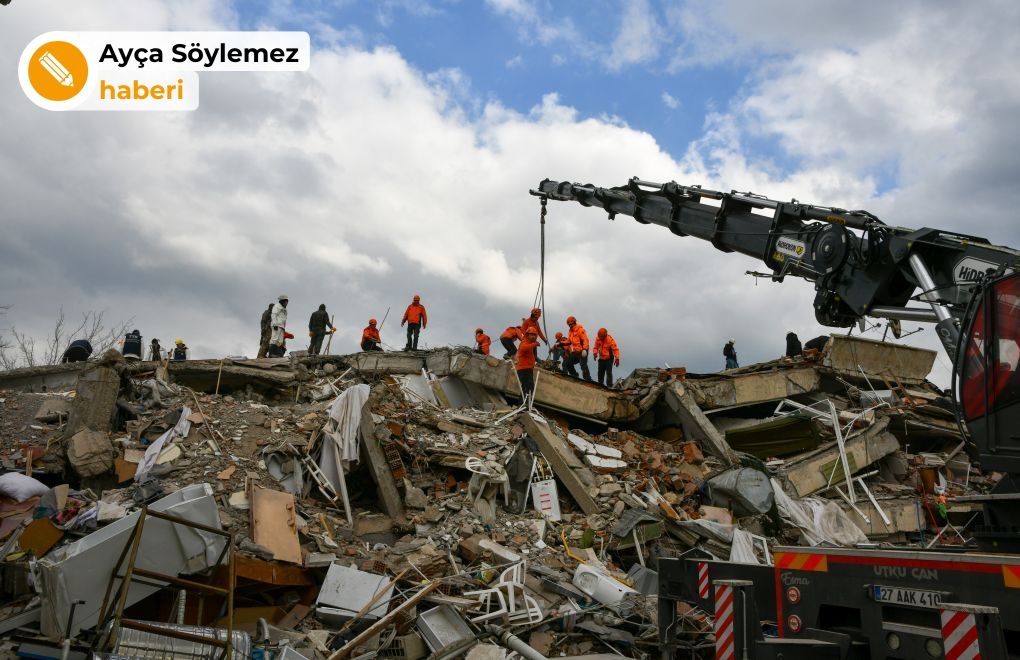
(859,265)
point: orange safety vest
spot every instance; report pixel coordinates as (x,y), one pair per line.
(416,314)
(578,339)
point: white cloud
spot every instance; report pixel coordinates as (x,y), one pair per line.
(365,180)
(515,62)
(638,38)
(670,101)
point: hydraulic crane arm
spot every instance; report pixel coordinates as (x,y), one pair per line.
(859,265)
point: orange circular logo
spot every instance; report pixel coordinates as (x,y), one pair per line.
(58,71)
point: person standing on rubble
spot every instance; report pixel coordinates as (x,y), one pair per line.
(730,354)
(482,342)
(793,347)
(132,345)
(416,319)
(180,352)
(155,350)
(509,339)
(278,322)
(526,358)
(532,323)
(578,354)
(317,325)
(370,339)
(559,350)
(607,353)
(267,331)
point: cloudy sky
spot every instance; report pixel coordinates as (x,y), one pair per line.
(400,163)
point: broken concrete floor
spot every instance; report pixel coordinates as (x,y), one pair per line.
(453,510)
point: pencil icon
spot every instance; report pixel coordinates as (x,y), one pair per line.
(56,69)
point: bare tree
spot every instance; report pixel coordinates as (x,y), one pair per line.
(91,328)
(5,344)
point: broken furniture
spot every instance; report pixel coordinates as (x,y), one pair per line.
(112,610)
(347,591)
(81,570)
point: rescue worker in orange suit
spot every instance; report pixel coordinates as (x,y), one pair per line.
(532,323)
(482,342)
(526,357)
(370,339)
(607,353)
(416,320)
(509,339)
(559,349)
(578,353)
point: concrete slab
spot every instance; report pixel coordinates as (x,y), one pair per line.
(569,469)
(552,390)
(696,425)
(51,378)
(809,473)
(726,391)
(905,364)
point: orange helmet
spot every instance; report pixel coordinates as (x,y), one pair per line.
(371,321)
(536,312)
(478,331)
(559,335)
(602,333)
(571,320)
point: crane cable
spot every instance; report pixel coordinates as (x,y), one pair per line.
(540,293)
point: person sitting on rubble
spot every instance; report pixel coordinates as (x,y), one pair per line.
(526,356)
(509,340)
(132,345)
(180,352)
(482,342)
(730,354)
(155,350)
(607,354)
(78,351)
(317,325)
(817,344)
(559,349)
(793,347)
(278,322)
(578,351)
(417,320)
(370,338)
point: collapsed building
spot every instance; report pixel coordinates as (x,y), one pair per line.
(405,505)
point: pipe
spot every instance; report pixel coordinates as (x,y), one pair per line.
(928,286)
(946,328)
(515,643)
(915,314)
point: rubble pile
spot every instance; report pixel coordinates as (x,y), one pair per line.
(407,504)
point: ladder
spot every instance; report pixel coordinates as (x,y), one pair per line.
(112,610)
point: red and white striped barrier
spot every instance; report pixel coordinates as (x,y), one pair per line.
(960,635)
(724,635)
(703,590)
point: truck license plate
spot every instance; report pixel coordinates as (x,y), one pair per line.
(899,596)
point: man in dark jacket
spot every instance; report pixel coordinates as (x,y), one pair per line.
(317,325)
(730,354)
(793,347)
(267,331)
